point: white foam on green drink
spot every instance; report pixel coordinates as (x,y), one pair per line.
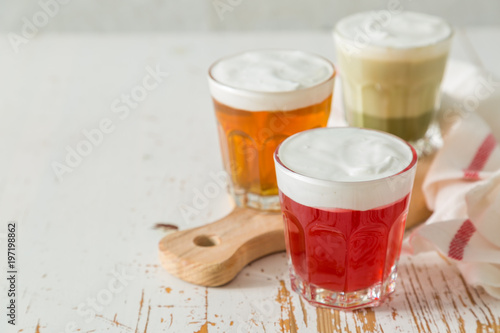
(344,168)
(407,34)
(271,80)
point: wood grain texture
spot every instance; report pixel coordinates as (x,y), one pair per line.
(213,254)
(431,297)
(78,235)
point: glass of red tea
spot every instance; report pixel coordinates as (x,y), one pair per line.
(344,194)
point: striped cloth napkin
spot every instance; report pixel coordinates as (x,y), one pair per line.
(462,186)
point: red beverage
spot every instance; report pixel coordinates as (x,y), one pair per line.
(344,194)
(343,250)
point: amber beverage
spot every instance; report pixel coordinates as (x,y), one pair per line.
(261,98)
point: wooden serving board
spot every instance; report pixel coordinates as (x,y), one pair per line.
(213,254)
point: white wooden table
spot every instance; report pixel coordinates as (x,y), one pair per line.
(87,255)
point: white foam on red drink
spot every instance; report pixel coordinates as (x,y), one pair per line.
(271,80)
(344,168)
(407,33)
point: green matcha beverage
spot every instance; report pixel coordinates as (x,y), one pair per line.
(391,67)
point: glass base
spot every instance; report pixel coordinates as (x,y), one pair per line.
(268,202)
(369,297)
(430,143)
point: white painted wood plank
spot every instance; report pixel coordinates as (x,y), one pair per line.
(99,220)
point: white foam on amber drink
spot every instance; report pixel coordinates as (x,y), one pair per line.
(344,168)
(271,80)
(407,34)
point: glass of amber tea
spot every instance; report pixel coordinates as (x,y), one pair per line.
(261,98)
(344,194)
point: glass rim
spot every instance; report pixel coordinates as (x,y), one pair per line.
(272,93)
(447,38)
(303,177)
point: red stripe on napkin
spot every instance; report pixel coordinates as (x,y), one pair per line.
(480,159)
(460,240)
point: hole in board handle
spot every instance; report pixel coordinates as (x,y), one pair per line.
(206,240)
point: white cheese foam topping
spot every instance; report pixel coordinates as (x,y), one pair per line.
(271,80)
(399,30)
(347,168)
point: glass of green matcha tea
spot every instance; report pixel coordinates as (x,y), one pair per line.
(391,65)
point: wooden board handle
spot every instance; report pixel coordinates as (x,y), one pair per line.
(213,254)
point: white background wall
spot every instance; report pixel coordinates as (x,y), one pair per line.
(242,15)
